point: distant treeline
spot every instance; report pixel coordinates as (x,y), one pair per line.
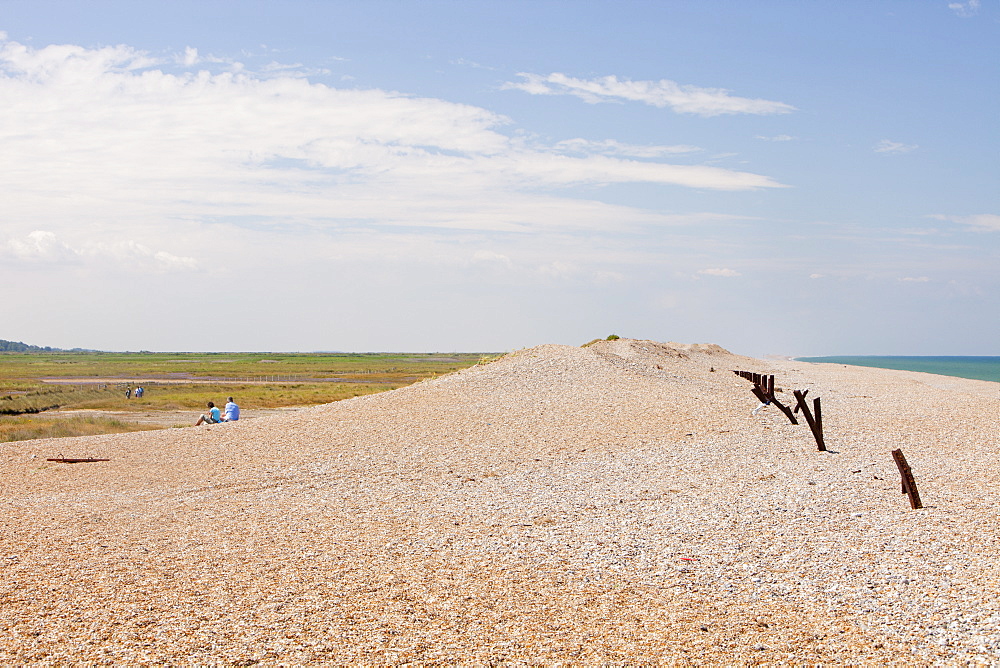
(19,347)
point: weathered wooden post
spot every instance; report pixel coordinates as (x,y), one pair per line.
(804,393)
(815,421)
(908,484)
(818,417)
(764,391)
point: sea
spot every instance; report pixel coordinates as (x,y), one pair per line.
(977,368)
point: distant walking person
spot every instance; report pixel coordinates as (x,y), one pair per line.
(139,392)
(232,411)
(214,416)
(128,393)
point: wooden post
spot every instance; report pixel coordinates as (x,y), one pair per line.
(909,485)
(766,396)
(818,416)
(815,422)
(804,393)
(763,389)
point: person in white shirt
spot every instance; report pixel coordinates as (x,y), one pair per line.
(232,411)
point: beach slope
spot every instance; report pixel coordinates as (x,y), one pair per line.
(612,503)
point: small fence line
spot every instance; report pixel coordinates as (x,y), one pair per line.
(764,390)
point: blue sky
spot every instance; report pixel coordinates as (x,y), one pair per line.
(793,178)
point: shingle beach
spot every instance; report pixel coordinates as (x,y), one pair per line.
(616,503)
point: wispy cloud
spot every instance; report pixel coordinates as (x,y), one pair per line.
(684,99)
(465,62)
(612,147)
(988,222)
(117,139)
(887,146)
(46,247)
(491,257)
(779,138)
(965,9)
(192,57)
(724,273)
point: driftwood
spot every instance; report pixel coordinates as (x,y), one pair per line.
(75,460)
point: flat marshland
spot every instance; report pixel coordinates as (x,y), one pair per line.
(616,503)
(54,394)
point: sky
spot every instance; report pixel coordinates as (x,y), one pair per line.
(776,177)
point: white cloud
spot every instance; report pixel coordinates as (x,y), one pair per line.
(562,170)
(46,247)
(612,147)
(664,93)
(558,269)
(779,138)
(190,57)
(914,279)
(118,164)
(471,63)
(609,277)
(38,246)
(111,138)
(965,9)
(887,146)
(296,70)
(725,273)
(133,255)
(988,222)
(489,257)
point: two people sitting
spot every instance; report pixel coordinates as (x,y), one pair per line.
(215,416)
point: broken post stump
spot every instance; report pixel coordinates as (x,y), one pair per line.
(815,420)
(908,483)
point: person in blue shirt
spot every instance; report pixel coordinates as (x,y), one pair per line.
(214,416)
(232,411)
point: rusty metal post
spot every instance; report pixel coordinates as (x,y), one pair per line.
(815,422)
(908,483)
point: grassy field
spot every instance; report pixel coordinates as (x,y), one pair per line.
(33,383)
(23,428)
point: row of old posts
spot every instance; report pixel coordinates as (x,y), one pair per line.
(763,389)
